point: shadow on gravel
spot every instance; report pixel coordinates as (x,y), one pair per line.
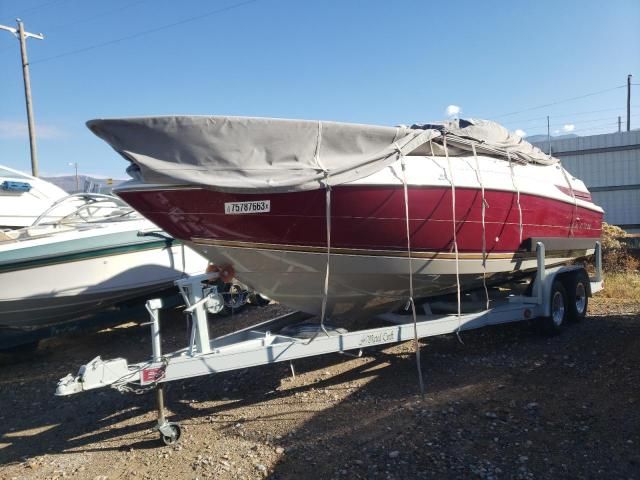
(506,403)
(35,422)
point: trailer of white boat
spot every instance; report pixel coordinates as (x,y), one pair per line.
(550,293)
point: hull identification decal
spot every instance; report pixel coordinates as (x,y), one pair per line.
(239,208)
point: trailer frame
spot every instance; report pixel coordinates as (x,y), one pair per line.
(263,343)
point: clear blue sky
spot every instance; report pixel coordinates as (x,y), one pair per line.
(370,61)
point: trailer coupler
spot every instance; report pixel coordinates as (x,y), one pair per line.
(95,374)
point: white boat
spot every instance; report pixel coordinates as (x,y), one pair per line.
(99,253)
(324,216)
(23,197)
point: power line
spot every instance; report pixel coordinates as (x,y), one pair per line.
(96,16)
(560,101)
(597,127)
(591,120)
(612,123)
(88,19)
(37,7)
(574,114)
(589,129)
(145,32)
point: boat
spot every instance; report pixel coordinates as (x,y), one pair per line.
(339,219)
(23,197)
(95,254)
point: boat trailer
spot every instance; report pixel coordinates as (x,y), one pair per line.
(270,341)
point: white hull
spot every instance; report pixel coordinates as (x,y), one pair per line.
(49,294)
(363,284)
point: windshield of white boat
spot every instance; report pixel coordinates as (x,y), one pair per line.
(4,173)
(82,211)
(76,212)
(96,213)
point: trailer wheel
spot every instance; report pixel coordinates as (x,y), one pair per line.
(578,296)
(171,434)
(552,324)
(234,299)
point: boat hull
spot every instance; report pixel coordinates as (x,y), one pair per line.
(282,253)
(51,293)
(368,217)
(368,282)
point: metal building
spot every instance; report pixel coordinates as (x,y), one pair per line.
(609,165)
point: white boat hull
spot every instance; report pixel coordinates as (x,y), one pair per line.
(46,295)
(362,284)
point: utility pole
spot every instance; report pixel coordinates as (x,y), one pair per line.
(548,137)
(75,165)
(619,124)
(22,36)
(628,102)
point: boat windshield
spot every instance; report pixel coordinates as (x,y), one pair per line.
(77,211)
(4,173)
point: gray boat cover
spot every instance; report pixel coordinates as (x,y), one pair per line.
(246,154)
(489,138)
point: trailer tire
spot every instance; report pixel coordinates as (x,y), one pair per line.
(577,296)
(552,324)
(235,299)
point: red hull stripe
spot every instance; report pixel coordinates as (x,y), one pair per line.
(370,218)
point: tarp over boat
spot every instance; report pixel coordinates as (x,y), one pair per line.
(489,138)
(247,154)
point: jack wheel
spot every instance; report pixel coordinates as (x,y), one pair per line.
(170,433)
(552,324)
(578,296)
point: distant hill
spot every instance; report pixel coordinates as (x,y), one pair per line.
(543,138)
(68,183)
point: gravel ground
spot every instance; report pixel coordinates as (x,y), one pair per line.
(508,403)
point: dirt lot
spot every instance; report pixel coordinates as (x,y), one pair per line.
(508,403)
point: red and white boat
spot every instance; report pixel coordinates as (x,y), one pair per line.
(257,195)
